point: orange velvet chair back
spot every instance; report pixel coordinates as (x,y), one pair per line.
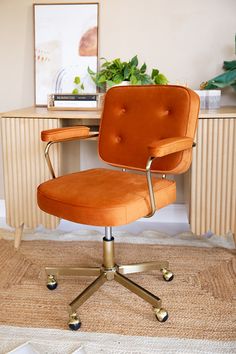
(135,117)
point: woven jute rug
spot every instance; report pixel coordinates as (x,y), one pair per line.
(57,341)
(200,300)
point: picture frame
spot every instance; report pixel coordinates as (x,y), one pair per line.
(65,45)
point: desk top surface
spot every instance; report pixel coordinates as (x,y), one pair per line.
(44,113)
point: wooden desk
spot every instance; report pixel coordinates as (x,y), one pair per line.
(210,185)
(211,181)
(24,163)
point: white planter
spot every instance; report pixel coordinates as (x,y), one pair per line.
(209,99)
(122,83)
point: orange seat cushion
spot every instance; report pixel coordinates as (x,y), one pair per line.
(103,197)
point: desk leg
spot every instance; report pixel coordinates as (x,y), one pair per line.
(18,235)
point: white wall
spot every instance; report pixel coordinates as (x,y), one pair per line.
(186,39)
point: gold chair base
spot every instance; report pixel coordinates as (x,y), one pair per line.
(107,273)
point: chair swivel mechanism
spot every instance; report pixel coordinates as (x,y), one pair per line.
(144,130)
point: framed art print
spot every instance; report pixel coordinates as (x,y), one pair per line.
(66,44)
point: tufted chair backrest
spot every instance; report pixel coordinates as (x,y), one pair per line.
(135,117)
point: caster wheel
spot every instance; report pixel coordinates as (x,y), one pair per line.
(161,314)
(167,275)
(52,283)
(74,322)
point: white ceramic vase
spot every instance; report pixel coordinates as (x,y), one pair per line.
(122,83)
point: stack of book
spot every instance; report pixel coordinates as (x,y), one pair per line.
(58,101)
(79,100)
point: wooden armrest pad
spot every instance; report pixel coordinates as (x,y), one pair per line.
(169,146)
(67,133)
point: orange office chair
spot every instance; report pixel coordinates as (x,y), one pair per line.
(145,128)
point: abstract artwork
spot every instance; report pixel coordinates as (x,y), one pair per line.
(66,44)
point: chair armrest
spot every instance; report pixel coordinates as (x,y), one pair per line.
(162,148)
(65,134)
(169,146)
(58,135)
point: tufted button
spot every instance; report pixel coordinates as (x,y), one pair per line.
(118,139)
(123,110)
(164,113)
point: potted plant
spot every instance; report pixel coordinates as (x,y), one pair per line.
(115,72)
(210,91)
(228,78)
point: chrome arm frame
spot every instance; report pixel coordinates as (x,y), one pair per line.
(50,143)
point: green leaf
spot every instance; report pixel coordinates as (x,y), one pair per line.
(110,83)
(229,65)
(160,79)
(82,86)
(105,65)
(134,61)
(91,72)
(101,86)
(117,63)
(102,79)
(145,79)
(226,79)
(127,72)
(155,72)
(133,80)
(143,68)
(77,80)
(75,91)
(118,79)
(132,70)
